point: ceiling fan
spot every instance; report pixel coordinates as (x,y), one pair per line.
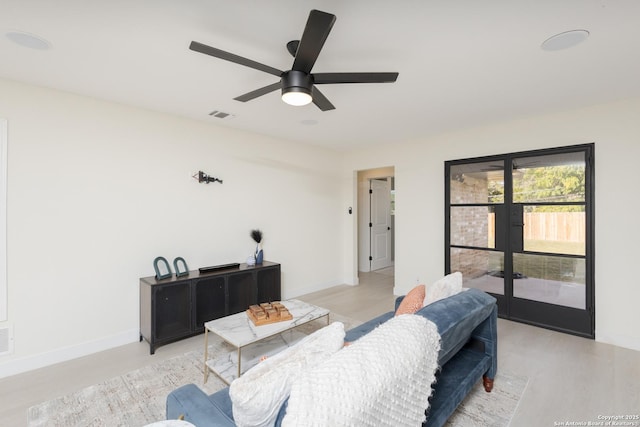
(298,85)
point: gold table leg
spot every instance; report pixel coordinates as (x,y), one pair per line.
(206,354)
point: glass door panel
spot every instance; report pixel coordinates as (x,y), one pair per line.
(476,195)
(552,178)
(551,191)
(480,269)
(473,226)
(550,279)
(472,183)
(555,229)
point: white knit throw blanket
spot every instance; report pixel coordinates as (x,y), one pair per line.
(382,379)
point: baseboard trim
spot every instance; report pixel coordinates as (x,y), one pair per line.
(42,360)
(308,289)
(625,341)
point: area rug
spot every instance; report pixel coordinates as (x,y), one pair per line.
(138,397)
(495,409)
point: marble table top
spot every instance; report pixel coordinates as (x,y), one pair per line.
(240,331)
(225,363)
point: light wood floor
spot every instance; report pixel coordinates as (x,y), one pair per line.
(570,378)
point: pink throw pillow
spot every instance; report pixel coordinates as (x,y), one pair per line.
(412,302)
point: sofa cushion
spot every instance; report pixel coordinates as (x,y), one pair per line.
(382,379)
(445,287)
(412,302)
(259,393)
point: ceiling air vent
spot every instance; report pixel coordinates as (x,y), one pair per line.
(221,114)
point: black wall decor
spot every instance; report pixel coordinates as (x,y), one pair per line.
(203,177)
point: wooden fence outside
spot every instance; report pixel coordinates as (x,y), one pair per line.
(550,226)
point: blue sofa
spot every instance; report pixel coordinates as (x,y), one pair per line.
(467,323)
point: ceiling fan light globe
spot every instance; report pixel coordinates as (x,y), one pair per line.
(296,96)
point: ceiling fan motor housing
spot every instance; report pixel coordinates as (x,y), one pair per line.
(296,81)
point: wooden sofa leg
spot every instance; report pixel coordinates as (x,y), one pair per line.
(487,383)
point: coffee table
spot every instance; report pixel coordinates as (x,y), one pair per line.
(239,331)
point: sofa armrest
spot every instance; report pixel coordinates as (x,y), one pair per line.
(487,333)
(196,407)
(457,317)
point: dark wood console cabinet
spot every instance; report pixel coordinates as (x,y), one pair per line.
(177,307)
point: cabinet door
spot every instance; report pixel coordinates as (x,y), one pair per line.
(210,300)
(268,285)
(242,291)
(173,310)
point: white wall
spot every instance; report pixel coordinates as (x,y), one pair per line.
(419,171)
(97,190)
(3,222)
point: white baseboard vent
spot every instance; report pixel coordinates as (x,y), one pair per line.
(6,340)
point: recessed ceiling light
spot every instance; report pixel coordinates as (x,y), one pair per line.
(28,40)
(565,40)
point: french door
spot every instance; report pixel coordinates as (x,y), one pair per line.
(520,226)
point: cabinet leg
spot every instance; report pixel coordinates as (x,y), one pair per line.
(152,348)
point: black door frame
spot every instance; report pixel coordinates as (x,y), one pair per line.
(565,319)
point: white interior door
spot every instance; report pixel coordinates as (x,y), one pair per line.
(364,237)
(380,223)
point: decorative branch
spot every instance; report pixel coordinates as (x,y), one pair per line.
(256,235)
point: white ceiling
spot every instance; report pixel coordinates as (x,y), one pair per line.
(462,63)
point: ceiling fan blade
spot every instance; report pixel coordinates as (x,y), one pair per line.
(217,53)
(258,92)
(315,34)
(332,78)
(321,101)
